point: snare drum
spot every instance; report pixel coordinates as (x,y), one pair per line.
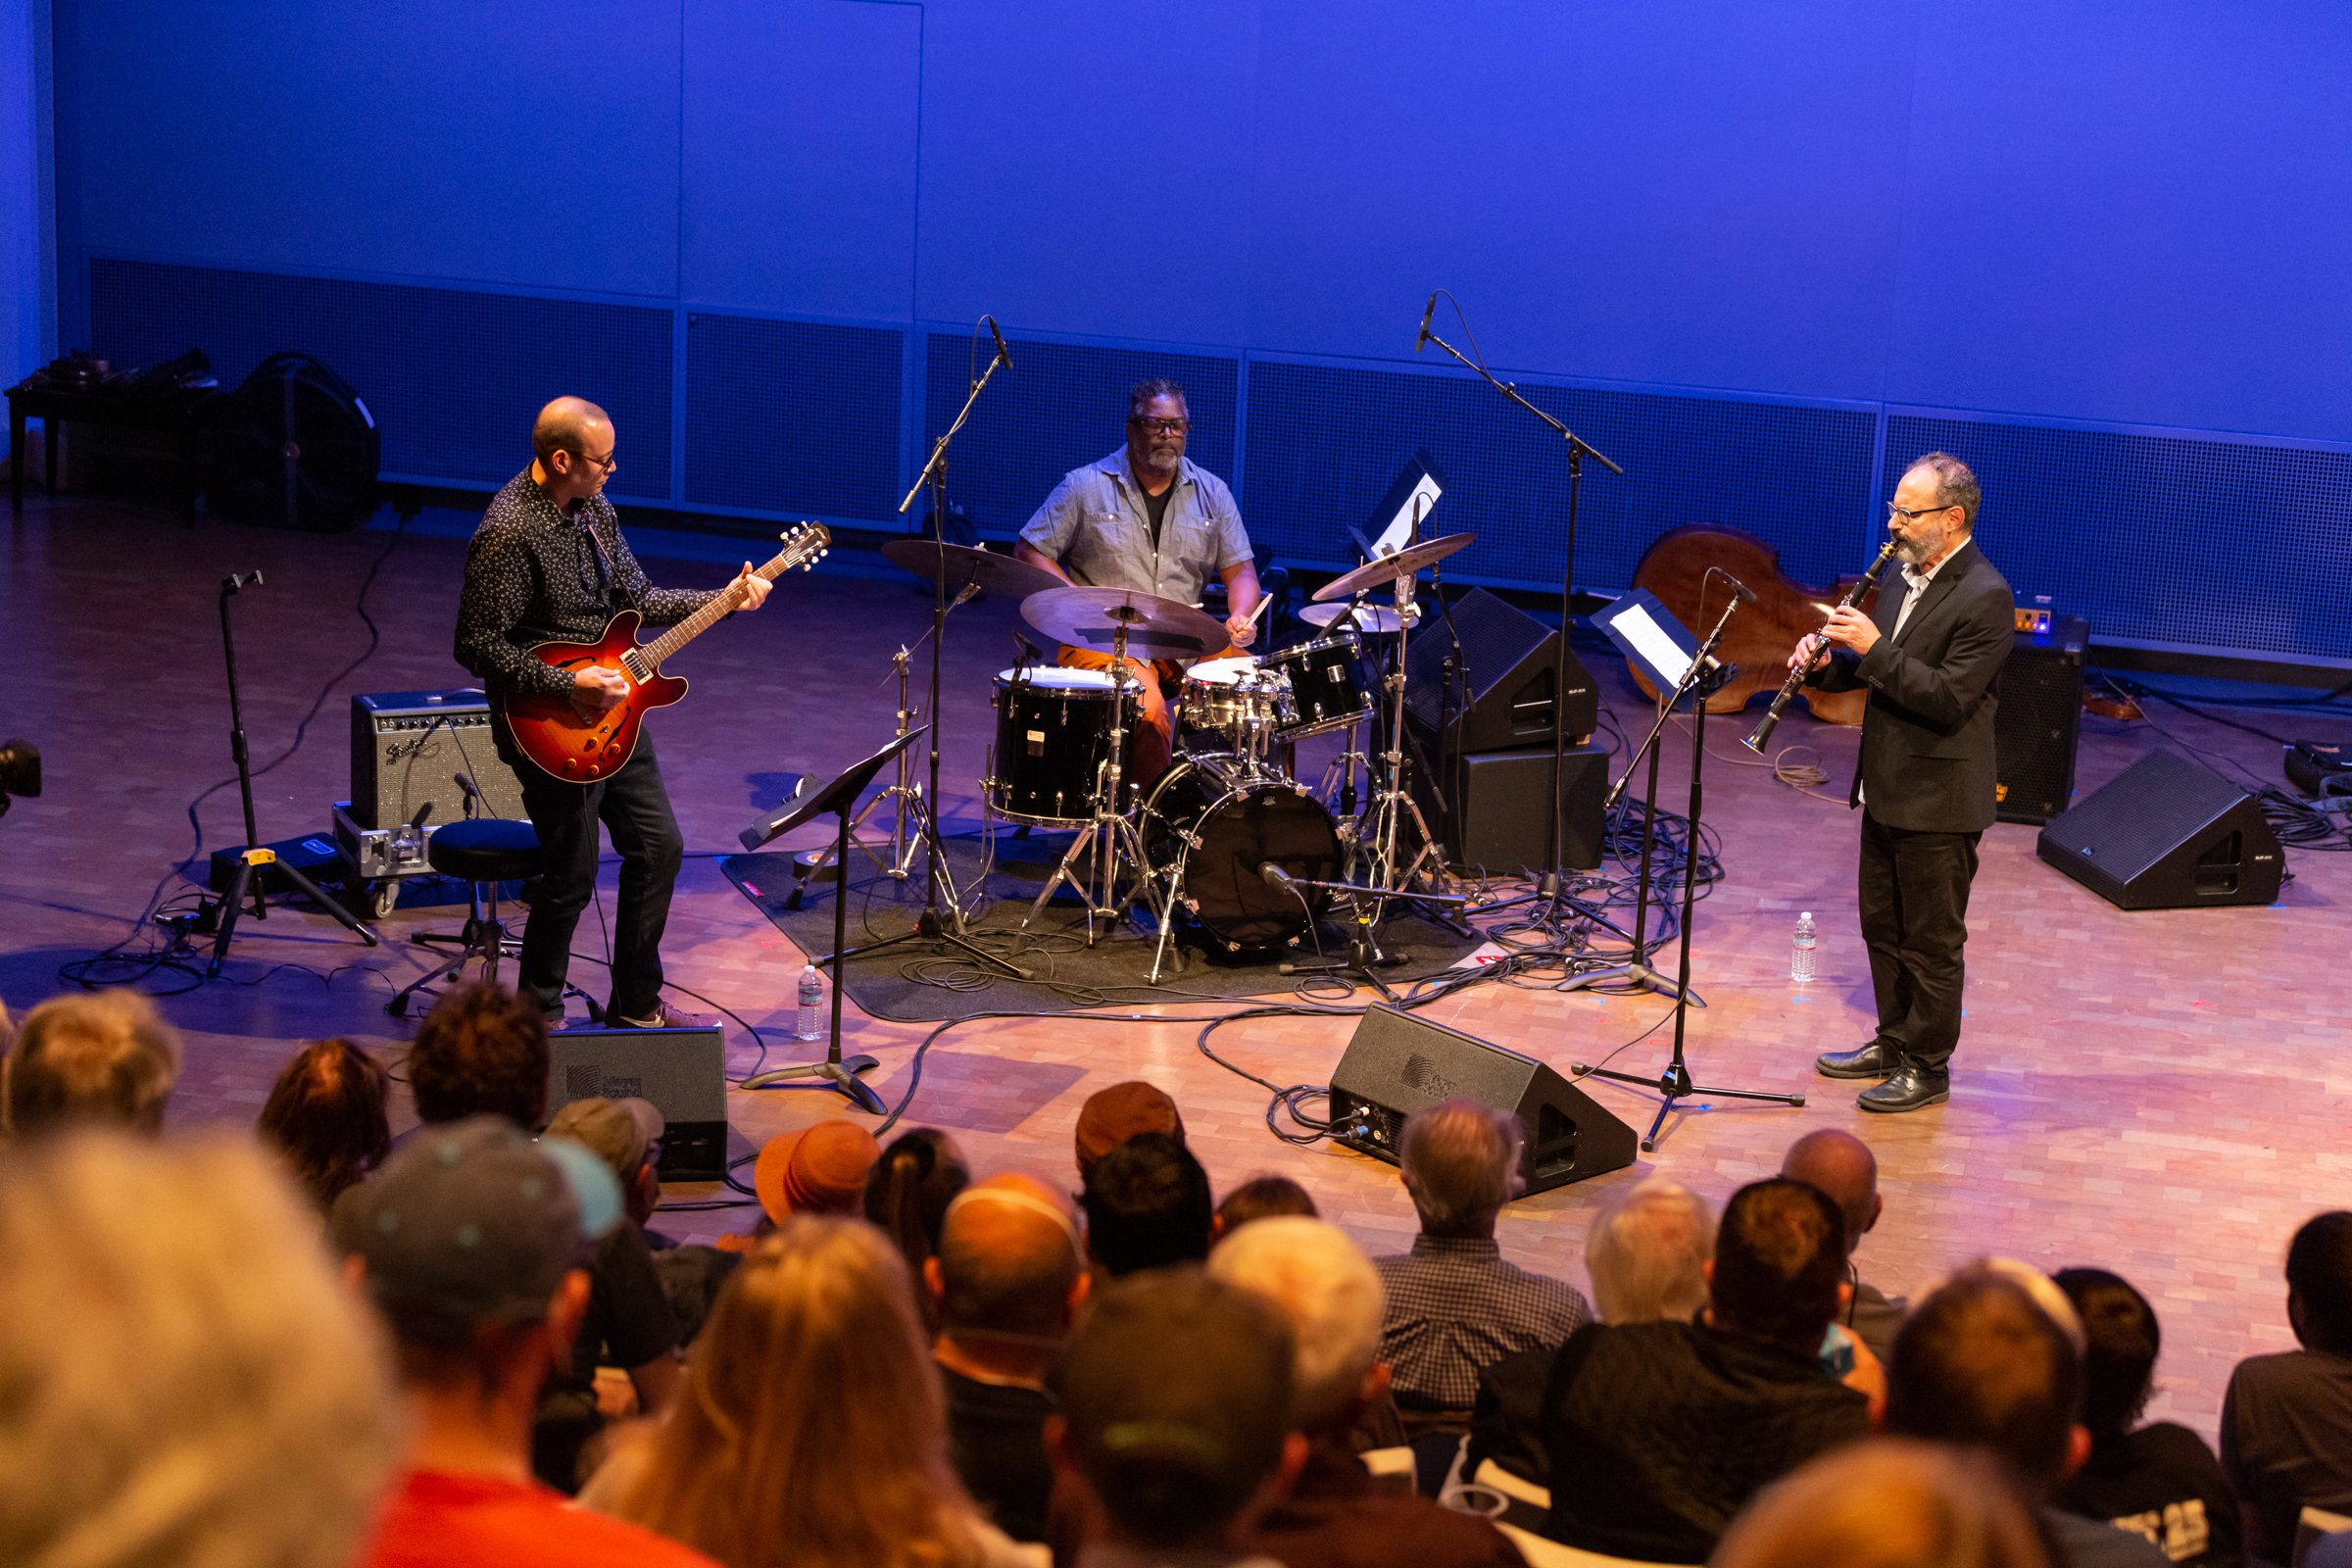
(1214,822)
(1326,689)
(1052,742)
(1233,699)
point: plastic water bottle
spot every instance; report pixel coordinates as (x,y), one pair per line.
(812,998)
(1800,952)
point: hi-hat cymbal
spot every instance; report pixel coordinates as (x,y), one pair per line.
(1387,569)
(1156,627)
(962,564)
(1371,619)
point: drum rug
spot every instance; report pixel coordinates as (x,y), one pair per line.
(910,982)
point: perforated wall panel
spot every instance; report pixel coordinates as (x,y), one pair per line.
(1061,406)
(1324,443)
(453,376)
(2162,538)
(793,417)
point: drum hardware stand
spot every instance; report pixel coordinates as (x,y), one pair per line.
(937,924)
(1391,804)
(254,863)
(1364,956)
(1551,888)
(1110,835)
(1673,1083)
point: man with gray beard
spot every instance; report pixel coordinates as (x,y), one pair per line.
(1927,654)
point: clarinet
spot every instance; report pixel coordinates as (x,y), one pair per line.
(1797,678)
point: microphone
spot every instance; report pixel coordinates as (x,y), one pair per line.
(417,822)
(1277,879)
(474,792)
(1423,341)
(1003,357)
(1747,594)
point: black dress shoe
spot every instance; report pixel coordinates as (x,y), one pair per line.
(1871,1062)
(1910,1089)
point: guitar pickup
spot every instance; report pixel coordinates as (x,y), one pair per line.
(638,670)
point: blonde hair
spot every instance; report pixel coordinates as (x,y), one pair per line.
(1317,1278)
(1888,1503)
(189,1382)
(107,1057)
(812,1428)
(1648,1253)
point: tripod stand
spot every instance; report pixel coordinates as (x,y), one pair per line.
(837,798)
(1673,1083)
(256,865)
(1110,835)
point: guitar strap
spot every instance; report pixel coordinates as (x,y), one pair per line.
(603,565)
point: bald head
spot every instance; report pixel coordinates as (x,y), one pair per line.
(567,425)
(1009,1255)
(1842,1167)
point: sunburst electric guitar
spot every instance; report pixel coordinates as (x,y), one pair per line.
(580,750)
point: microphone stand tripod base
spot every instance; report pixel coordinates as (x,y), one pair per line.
(1675,1084)
(1640,976)
(842,1075)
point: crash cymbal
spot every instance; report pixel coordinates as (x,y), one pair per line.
(1387,569)
(1156,627)
(963,563)
(1371,619)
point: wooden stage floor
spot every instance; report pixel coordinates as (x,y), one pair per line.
(2161,1094)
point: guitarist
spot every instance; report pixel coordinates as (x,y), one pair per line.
(548,565)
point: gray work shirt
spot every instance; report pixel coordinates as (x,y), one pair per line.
(1095,524)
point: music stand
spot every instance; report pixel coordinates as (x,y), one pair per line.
(841,799)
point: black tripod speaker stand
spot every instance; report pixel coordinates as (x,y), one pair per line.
(1702,677)
(255,863)
(839,798)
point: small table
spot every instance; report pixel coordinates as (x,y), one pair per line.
(187,411)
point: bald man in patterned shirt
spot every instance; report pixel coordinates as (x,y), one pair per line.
(548,565)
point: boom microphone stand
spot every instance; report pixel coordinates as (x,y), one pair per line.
(1551,888)
(1673,1083)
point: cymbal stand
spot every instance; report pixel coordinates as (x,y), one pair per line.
(1110,835)
(1392,806)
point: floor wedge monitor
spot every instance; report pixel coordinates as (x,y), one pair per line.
(682,1072)
(1397,1064)
(2166,834)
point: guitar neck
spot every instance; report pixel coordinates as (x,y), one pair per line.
(729,600)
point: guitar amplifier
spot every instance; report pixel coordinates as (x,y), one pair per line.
(407,749)
(2039,723)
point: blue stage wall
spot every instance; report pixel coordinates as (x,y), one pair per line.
(1761,252)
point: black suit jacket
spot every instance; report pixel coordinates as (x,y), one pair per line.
(1928,759)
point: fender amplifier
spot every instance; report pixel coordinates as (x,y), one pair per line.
(407,749)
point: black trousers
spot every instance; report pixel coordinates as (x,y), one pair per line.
(1913,890)
(633,806)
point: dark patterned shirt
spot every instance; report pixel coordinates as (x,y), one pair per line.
(1455,1307)
(533,575)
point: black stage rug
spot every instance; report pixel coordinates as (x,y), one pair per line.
(1067,974)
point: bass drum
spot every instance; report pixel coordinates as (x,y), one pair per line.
(1214,822)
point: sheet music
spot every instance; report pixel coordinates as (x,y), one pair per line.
(1651,640)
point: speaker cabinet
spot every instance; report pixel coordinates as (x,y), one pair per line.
(1512,662)
(1397,1064)
(1494,815)
(2166,834)
(407,749)
(682,1072)
(2039,721)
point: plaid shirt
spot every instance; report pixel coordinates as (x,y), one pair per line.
(1455,1307)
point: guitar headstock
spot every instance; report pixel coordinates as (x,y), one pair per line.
(804,544)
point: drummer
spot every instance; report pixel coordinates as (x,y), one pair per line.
(1149,519)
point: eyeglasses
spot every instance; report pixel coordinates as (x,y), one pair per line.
(1165,426)
(604,465)
(1909,516)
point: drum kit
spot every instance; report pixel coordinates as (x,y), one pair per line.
(1227,840)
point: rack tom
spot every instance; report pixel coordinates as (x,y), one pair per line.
(1053,745)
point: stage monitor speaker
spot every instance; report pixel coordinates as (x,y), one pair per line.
(1397,1064)
(1512,659)
(682,1072)
(2039,721)
(407,749)
(2166,834)
(1493,821)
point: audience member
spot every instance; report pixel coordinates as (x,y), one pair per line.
(811,1431)
(1992,1357)
(1337,1516)
(1262,1198)
(326,1115)
(626,1135)
(1110,1116)
(105,1057)
(1659,1433)
(469,1240)
(907,1192)
(1648,1253)
(187,1382)
(1147,1206)
(1890,1502)
(819,1169)
(1454,1306)
(1175,1436)
(2286,1420)
(1842,1167)
(2160,1480)
(1006,1287)
(482,1050)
